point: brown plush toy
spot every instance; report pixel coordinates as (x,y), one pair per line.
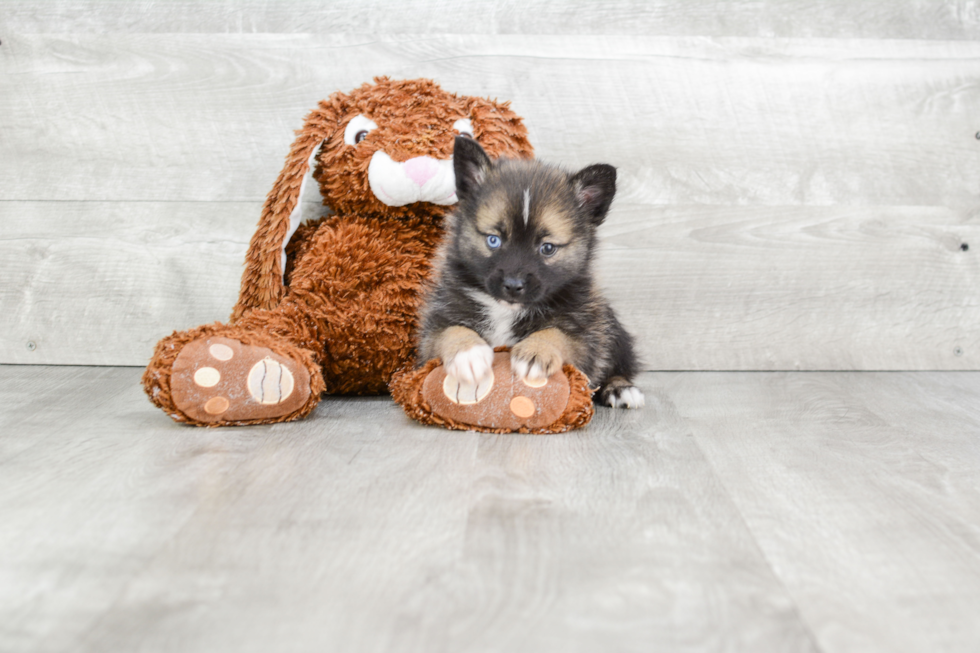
(332,305)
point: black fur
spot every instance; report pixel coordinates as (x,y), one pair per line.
(551,292)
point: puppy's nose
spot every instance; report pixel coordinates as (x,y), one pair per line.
(513,286)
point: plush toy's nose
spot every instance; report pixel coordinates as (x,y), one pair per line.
(420,179)
(421,169)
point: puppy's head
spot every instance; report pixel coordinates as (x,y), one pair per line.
(524,231)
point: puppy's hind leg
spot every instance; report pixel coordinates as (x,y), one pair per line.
(619,392)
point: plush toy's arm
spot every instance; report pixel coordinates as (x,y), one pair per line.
(262,282)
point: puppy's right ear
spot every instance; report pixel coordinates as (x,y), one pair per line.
(595,187)
(470,165)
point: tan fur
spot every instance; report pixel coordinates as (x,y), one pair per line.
(490,218)
(549,348)
(454,340)
(554,221)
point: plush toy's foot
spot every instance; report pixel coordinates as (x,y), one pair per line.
(217,375)
(220,380)
(500,403)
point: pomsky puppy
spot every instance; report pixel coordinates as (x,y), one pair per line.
(515,270)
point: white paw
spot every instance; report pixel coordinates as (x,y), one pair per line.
(472,365)
(629,397)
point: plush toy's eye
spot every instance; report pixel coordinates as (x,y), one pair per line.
(464,126)
(357,129)
(493,242)
(547,249)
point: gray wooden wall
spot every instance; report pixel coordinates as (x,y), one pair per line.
(800,181)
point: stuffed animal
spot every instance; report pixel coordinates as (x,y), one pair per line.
(332,305)
(501,403)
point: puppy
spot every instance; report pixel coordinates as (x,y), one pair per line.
(516,270)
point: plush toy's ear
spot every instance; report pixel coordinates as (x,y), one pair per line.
(470,165)
(594,189)
(499,130)
(262,282)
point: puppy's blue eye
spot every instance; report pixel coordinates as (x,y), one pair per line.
(547,249)
(493,242)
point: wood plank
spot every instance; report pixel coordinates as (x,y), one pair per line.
(701,287)
(99,283)
(937,19)
(687,120)
(356,529)
(862,492)
(768,288)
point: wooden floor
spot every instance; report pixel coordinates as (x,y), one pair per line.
(737,512)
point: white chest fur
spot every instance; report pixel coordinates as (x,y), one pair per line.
(499,326)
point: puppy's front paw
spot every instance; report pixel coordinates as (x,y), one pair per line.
(534,359)
(471,365)
(620,393)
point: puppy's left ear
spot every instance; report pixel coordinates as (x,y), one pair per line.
(470,165)
(594,189)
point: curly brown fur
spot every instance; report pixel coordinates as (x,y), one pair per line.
(343,293)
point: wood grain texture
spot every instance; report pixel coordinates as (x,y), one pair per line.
(783,203)
(759,512)
(923,19)
(101,282)
(862,492)
(701,287)
(767,288)
(359,530)
(686,120)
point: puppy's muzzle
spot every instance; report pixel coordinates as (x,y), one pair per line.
(420,179)
(513,287)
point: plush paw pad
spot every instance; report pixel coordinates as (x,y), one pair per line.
(220,380)
(270,382)
(461,392)
(500,400)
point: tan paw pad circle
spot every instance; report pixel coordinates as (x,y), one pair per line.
(536,383)
(216,405)
(269,382)
(221,352)
(207,377)
(523,407)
